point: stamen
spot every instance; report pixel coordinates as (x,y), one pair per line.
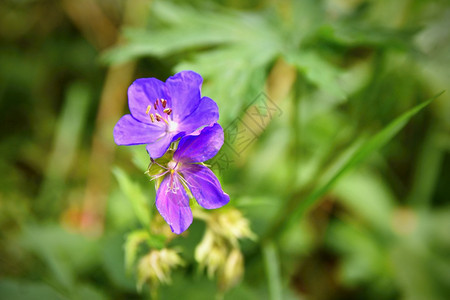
(164,103)
(171,187)
(154,177)
(183,181)
(155,105)
(148,109)
(158,117)
(168,111)
(152,117)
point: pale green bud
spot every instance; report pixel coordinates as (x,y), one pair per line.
(156,267)
(232,225)
(211,253)
(232,271)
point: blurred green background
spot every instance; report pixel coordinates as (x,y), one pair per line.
(332,153)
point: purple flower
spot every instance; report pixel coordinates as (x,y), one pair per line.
(162,112)
(183,171)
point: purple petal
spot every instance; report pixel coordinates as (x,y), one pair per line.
(142,93)
(160,146)
(184,91)
(199,148)
(172,203)
(204,186)
(207,113)
(129,131)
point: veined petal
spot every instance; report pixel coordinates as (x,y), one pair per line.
(157,148)
(207,113)
(184,90)
(129,131)
(204,186)
(199,148)
(172,203)
(142,93)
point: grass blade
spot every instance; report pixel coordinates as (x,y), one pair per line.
(366,149)
(273,271)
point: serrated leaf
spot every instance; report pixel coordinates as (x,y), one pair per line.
(185,28)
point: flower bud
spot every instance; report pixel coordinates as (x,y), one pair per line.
(156,267)
(211,253)
(232,271)
(232,225)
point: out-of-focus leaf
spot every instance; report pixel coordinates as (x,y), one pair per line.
(63,253)
(188,286)
(428,167)
(132,242)
(363,258)
(112,258)
(87,292)
(234,77)
(272,265)
(134,193)
(354,33)
(157,241)
(141,159)
(367,196)
(65,143)
(26,290)
(411,263)
(186,28)
(369,147)
(318,71)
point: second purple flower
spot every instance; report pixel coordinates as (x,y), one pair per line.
(183,171)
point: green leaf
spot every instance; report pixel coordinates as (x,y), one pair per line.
(28,290)
(378,205)
(318,71)
(182,27)
(366,149)
(134,193)
(133,240)
(66,141)
(358,33)
(157,241)
(63,253)
(273,271)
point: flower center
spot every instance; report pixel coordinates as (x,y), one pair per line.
(172,126)
(159,112)
(172,165)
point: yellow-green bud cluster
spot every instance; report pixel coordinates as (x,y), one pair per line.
(156,267)
(219,252)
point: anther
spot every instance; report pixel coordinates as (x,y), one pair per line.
(155,105)
(168,111)
(152,117)
(148,109)
(164,103)
(158,117)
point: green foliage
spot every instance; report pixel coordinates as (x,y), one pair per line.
(346,186)
(135,195)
